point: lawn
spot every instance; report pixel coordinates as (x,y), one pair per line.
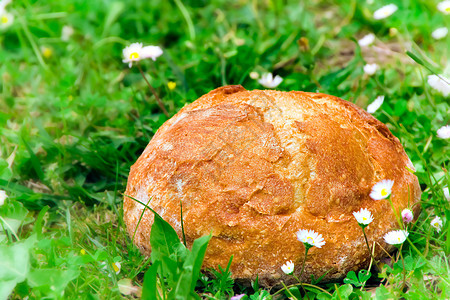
(74,117)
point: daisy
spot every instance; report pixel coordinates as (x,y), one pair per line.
(268,81)
(375,105)
(136,51)
(363,217)
(288,267)
(439,33)
(385,11)
(367,40)
(66,33)
(407,215)
(444,6)
(6,19)
(444,132)
(439,84)
(116,267)
(3,197)
(437,223)
(3,4)
(396,237)
(310,238)
(382,189)
(370,69)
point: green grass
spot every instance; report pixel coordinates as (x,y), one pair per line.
(74,118)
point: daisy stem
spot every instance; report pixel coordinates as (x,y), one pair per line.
(404,270)
(304,261)
(306,284)
(395,213)
(367,244)
(303,268)
(161,105)
(288,291)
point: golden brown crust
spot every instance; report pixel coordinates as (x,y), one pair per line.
(254,167)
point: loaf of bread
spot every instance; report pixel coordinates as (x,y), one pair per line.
(254,167)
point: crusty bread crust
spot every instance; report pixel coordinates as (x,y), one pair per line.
(254,167)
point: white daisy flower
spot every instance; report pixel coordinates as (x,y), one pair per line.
(363,216)
(444,6)
(407,215)
(396,237)
(385,11)
(288,267)
(268,81)
(439,33)
(117,267)
(440,85)
(375,105)
(367,40)
(3,197)
(446,193)
(382,189)
(6,19)
(370,69)
(136,51)
(437,223)
(310,238)
(3,4)
(444,132)
(66,33)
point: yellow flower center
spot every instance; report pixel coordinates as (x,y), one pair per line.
(83,252)
(171,85)
(4,19)
(310,240)
(364,219)
(115,267)
(384,192)
(47,52)
(447,9)
(398,239)
(134,55)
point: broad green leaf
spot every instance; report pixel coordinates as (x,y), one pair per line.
(191,269)
(14,265)
(5,171)
(363,275)
(149,290)
(323,296)
(51,281)
(294,291)
(343,292)
(167,248)
(351,279)
(6,287)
